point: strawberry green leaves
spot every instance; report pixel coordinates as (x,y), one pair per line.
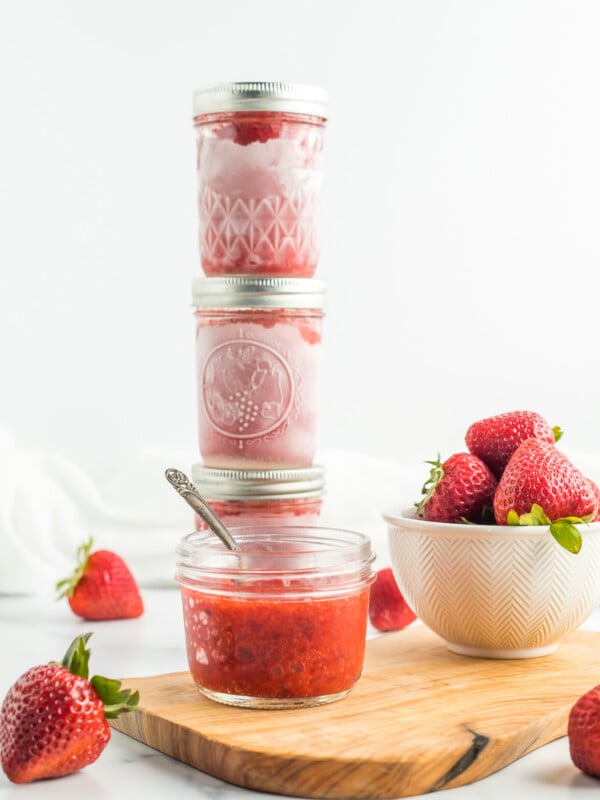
(557,431)
(564,530)
(115,699)
(435,476)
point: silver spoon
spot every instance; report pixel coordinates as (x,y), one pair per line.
(193,498)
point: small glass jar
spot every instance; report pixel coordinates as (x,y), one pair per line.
(280,623)
(259,151)
(257,362)
(261,497)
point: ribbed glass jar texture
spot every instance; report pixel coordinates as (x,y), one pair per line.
(280,623)
(259,173)
(261,497)
(257,367)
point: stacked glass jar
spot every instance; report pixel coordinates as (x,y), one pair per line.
(258,307)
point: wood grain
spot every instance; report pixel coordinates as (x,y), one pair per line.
(420,719)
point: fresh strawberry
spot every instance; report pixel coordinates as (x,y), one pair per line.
(461,489)
(53,720)
(495,439)
(388,610)
(102,587)
(583,731)
(540,486)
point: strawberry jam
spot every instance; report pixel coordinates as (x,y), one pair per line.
(266,647)
(283,622)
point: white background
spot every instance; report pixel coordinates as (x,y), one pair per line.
(459,235)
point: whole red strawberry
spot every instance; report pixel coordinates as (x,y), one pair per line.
(388,610)
(461,489)
(53,720)
(102,586)
(583,731)
(540,486)
(495,439)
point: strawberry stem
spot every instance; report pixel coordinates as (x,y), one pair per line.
(66,587)
(115,699)
(77,657)
(556,430)
(566,534)
(564,530)
(435,476)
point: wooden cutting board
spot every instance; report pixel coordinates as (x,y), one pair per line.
(419,719)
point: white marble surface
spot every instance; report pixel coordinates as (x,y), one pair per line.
(38,629)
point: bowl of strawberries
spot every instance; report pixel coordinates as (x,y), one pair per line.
(500,556)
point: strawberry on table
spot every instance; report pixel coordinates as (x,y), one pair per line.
(494,439)
(460,489)
(540,486)
(102,586)
(583,731)
(53,720)
(388,610)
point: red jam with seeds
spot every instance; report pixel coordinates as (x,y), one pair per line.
(280,624)
(274,648)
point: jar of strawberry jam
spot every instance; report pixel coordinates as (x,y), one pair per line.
(280,623)
(261,497)
(259,149)
(257,362)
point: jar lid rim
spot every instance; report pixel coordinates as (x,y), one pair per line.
(259,484)
(234,291)
(294,98)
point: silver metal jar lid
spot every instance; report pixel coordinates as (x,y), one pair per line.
(234,291)
(261,96)
(258,484)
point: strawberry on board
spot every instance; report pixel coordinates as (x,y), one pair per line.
(583,731)
(458,490)
(102,586)
(495,439)
(54,720)
(540,486)
(388,610)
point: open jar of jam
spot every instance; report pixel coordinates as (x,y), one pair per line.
(259,149)
(257,362)
(282,621)
(261,497)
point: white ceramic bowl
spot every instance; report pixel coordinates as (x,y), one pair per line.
(494,591)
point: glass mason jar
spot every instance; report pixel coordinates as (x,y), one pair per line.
(257,362)
(281,622)
(261,497)
(259,148)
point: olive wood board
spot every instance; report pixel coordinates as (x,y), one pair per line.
(419,719)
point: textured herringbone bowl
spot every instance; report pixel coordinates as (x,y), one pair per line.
(494,591)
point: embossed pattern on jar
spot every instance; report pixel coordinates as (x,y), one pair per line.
(257,355)
(259,178)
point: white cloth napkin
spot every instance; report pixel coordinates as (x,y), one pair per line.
(48,507)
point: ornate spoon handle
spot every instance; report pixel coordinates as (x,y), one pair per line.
(193,498)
